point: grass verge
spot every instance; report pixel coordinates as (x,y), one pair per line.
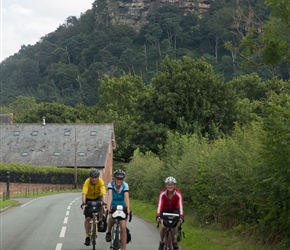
(7,203)
(200,237)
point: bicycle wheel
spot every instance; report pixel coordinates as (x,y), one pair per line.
(94,233)
(116,238)
(168,243)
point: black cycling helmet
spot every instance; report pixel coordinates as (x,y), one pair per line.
(94,173)
(119,174)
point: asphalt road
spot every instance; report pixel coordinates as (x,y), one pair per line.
(55,222)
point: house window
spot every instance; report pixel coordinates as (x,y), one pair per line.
(34,133)
(93,133)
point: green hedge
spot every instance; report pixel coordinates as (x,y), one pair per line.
(21,173)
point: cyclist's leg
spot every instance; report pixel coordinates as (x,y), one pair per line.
(123,228)
(174,233)
(162,235)
(87,226)
(174,237)
(111,222)
(162,232)
(101,212)
(88,217)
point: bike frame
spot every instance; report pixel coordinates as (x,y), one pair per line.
(168,240)
(95,206)
(170,220)
(118,212)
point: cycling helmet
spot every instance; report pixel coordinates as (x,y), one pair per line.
(94,173)
(119,174)
(170,179)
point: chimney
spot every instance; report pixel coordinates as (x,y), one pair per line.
(11,118)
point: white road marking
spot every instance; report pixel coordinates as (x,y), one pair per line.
(27,203)
(65,220)
(58,246)
(62,232)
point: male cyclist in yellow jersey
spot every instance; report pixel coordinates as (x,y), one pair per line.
(93,190)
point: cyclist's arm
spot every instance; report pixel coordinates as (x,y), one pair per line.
(160,204)
(103,192)
(180,204)
(84,198)
(85,192)
(110,198)
(103,198)
(127,200)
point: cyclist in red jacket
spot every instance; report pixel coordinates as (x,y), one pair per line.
(169,201)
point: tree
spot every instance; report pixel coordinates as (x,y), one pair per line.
(268,42)
(64,76)
(187,97)
(118,103)
(21,107)
(216,29)
(273,186)
(53,113)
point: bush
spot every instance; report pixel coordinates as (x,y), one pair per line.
(40,174)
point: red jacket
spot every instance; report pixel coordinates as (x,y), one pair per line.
(165,204)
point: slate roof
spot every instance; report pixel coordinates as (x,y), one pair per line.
(62,145)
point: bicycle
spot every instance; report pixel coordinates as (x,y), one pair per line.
(94,207)
(118,212)
(170,220)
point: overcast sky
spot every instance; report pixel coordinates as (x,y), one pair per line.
(24,22)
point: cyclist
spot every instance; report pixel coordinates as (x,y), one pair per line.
(169,201)
(118,194)
(93,190)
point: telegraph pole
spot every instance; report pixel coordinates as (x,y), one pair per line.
(75,165)
(8,186)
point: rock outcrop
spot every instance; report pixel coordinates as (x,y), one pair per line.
(135,12)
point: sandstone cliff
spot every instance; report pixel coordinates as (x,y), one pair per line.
(135,12)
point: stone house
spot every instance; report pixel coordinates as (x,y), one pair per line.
(62,145)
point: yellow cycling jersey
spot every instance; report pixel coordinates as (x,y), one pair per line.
(94,191)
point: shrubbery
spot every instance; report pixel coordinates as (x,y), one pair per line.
(40,174)
(223,181)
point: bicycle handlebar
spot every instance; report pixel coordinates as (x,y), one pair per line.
(181,220)
(102,203)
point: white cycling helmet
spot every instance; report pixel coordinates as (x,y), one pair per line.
(170,179)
